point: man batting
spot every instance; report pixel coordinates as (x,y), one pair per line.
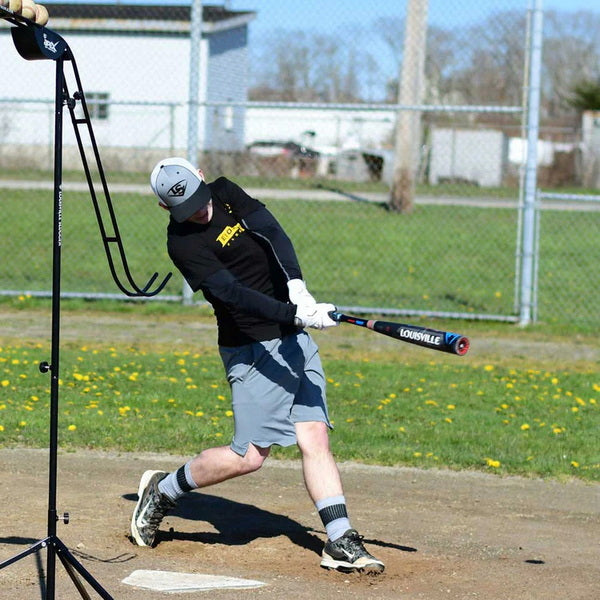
(230,247)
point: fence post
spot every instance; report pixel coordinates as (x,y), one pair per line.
(530,206)
(192,132)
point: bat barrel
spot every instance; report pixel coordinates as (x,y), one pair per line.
(442,341)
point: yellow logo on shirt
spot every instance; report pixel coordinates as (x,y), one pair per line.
(229,233)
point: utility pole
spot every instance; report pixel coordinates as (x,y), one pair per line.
(410,93)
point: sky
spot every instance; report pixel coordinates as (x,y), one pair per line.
(355,19)
(328,15)
(322,14)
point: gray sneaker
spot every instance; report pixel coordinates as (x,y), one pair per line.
(152,506)
(348,554)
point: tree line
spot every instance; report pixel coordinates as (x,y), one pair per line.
(483,64)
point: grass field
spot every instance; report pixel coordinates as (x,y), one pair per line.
(502,413)
(521,416)
(440,258)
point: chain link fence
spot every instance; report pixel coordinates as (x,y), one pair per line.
(310,113)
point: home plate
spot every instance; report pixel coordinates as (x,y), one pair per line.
(172,582)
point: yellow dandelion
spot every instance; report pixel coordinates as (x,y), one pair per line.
(72,427)
(229,413)
(525,427)
(451,406)
(574,464)
(5,383)
(199,413)
(1,427)
(488,368)
(490,462)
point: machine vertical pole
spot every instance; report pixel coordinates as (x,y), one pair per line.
(55,351)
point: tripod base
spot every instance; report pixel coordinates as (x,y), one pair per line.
(72,566)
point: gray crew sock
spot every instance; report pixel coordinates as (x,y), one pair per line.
(334,515)
(177,483)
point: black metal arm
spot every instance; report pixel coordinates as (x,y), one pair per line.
(34,42)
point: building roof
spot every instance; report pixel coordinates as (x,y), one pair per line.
(210,13)
(142,17)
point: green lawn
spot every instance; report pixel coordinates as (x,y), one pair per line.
(440,258)
(408,407)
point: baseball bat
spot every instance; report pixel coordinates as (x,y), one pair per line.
(443,341)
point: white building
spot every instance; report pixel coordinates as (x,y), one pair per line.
(128,54)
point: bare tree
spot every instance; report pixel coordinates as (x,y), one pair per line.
(571,55)
(492,61)
(298,66)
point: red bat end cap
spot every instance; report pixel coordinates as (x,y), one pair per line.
(462,346)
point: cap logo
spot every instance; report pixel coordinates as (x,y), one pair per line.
(178,189)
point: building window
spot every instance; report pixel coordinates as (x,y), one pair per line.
(228,118)
(97,103)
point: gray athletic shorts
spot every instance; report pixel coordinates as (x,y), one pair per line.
(274,384)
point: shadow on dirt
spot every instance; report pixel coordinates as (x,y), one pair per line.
(238,524)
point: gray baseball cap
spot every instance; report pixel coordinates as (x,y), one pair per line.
(179,187)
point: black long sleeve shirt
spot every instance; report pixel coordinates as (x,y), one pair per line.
(241,261)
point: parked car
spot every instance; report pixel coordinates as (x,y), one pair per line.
(274,148)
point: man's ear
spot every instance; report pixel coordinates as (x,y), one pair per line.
(163,206)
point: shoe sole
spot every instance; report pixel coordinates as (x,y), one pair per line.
(364,565)
(143,484)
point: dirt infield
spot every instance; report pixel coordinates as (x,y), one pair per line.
(442,535)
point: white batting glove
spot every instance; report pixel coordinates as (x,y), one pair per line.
(298,293)
(315,316)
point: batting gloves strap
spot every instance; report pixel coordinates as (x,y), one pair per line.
(298,293)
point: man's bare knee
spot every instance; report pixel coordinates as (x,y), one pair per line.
(313,438)
(254,458)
